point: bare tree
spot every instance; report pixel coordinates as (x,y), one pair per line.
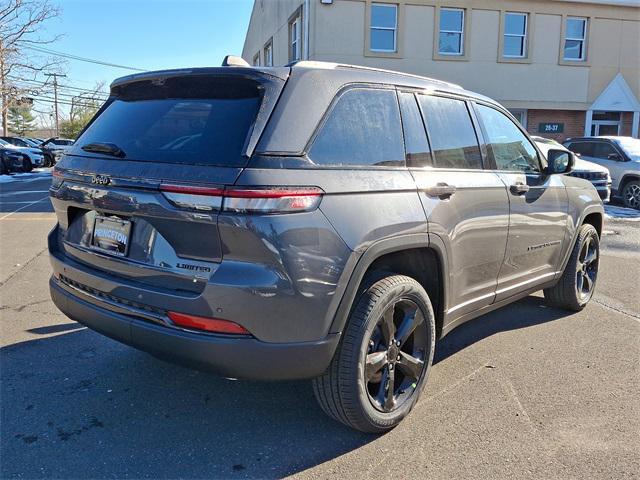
(21,23)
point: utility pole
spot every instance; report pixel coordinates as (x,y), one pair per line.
(4,93)
(55,98)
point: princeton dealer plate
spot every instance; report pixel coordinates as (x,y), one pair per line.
(111,234)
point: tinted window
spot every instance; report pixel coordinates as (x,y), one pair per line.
(603,150)
(415,137)
(190,123)
(453,138)
(581,148)
(509,147)
(363,128)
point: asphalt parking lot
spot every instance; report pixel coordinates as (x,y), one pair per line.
(525,392)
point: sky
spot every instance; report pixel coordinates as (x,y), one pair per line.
(146,34)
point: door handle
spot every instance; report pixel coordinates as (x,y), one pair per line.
(519,188)
(441,190)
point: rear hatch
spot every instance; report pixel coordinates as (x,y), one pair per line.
(122,191)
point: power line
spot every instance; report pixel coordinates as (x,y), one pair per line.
(41,83)
(81,59)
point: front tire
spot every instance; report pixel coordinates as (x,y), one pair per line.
(27,166)
(631,194)
(383,359)
(578,282)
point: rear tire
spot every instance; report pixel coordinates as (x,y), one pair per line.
(578,282)
(383,359)
(631,194)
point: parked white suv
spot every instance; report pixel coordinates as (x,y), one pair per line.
(621,155)
(35,155)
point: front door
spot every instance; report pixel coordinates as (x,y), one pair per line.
(538,206)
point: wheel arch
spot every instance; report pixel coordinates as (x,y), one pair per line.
(411,255)
(626,178)
(593,215)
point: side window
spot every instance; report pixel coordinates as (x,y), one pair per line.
(363,128)
(510,148)
(453,138)
(603,150)
(415,137)
(582,148)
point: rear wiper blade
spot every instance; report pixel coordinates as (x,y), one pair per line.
(105,149)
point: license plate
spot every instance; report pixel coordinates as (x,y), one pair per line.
(111,234)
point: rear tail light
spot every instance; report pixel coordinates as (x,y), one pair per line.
(213,325)
(244,200)
(57,178)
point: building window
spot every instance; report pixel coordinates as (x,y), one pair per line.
(295,37)
(451,40)
(575,37)
(515,35)
(384,27)
(268,53)
(520,114)
(256,60)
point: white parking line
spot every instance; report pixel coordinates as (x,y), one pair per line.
(22,208)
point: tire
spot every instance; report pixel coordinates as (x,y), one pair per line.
(27,166)
(3,168)
(580,273)
(631,194)
(387,308)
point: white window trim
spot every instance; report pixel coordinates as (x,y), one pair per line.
(520,111)
(256,60)
(394,28)
(268,54)
(461,32)
(296,39)
(583,40)
(522,36)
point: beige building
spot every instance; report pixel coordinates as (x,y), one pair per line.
(563,67)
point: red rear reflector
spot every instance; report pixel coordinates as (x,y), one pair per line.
(214,325)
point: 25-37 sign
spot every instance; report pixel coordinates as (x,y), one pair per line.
(550,127)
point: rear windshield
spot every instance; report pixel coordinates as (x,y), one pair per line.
(199,121)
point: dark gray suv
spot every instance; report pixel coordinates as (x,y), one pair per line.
(312,221)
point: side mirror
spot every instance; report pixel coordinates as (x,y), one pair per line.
(614,156)
(560,161)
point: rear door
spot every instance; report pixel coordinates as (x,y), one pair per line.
(538,219)
(138,194)
(466,207)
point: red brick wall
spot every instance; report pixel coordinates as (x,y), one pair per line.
(573,122)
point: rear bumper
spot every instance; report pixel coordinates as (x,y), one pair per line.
(230,356)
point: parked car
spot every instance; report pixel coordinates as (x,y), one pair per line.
(312,227)
(12,161)
(35,155)
(596,174)
(28,143)
(621,155)
(56,147)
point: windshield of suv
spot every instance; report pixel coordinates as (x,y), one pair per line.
(185,120)
(630,145)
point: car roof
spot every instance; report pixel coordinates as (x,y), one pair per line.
(603,137)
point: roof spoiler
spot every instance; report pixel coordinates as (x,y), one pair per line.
(234,61)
